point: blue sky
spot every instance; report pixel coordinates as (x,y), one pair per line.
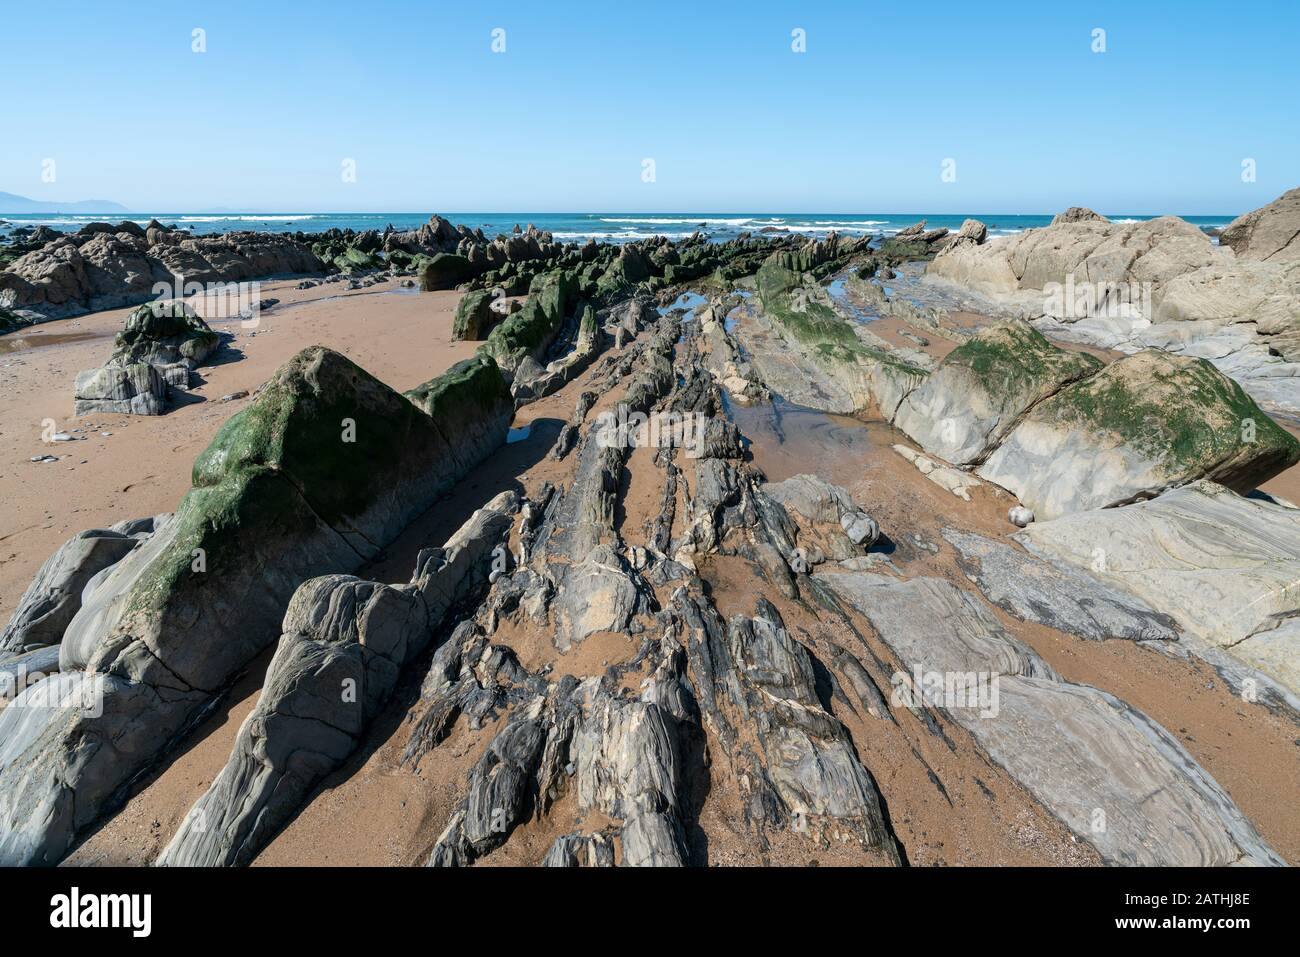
(712,92)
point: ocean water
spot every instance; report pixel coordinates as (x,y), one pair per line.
(571,227)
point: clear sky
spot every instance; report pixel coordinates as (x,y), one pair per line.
(711,91)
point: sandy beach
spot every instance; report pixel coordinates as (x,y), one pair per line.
(142,466)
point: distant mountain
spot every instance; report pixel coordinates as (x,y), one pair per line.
(9,203)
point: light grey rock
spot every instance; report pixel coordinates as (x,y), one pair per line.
(981,389)
(1271,233)
(1224,567)
(17,671)
(1020,516)
(935,626)
(54,596)
(597,595)
(1143,424)
(136,389)
(1057,595)
(861,528)
(1078,214)
(344,646)
(1114,777)
(580,850)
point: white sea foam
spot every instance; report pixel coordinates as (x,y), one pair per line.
(623,234)
(242,218)
(656,221)
(850,222)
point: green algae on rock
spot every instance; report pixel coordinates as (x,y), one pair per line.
(981,389)
(1145,423)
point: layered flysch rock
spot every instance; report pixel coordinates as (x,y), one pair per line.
(1065,743)
(323,470)
(54,596)
(1225,567)
(1058,595)
(1143,424)
(344,645)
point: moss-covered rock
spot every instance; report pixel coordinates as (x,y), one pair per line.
(322,470)
(470,404)
(474,316)
(805,316)
(982,388)
(445,271)
(531,330)
(1143,424)
(164,333)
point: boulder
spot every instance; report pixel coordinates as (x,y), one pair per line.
(164,333)
(1078,214)
(445,271)
(137,389)
(1143,424)
(981,389)
(1271,233)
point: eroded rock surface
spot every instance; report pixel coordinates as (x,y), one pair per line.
(1224,567)
(321,471)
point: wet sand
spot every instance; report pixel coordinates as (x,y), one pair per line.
(1252,752)
(142,467)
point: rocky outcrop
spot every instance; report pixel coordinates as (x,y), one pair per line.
(1143,424)
(868,374)
(1058,429)
(1058,595)
(982,389)
(97,269)
(54,596)
(831,523)
(159,346)
(344,645)
(1078,214)
(1268,234)
(1224,567)
(1062,741)
(317,475)
(474,316)
(1155,284)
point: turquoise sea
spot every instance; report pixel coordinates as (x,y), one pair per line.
(568,227)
